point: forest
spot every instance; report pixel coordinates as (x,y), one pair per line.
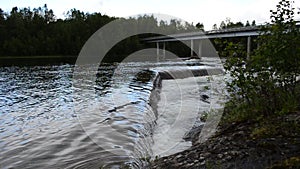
(38,32)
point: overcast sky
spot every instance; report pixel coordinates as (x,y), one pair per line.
(208,12)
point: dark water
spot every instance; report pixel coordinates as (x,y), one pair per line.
(40,127)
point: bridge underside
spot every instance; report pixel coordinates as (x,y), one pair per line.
(196,40)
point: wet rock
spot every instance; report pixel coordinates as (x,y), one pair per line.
(204,98)
(193,134)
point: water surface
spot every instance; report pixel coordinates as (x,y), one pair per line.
(40,128)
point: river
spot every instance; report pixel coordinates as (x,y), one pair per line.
(41,128)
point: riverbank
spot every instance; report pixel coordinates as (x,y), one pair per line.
(270,143)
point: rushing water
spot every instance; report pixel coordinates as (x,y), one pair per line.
(40,128)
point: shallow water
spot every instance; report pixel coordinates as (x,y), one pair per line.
(111,126)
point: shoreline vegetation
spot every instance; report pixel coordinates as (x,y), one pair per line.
(260,127)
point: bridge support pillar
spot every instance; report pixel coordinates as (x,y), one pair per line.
(157,51)
(248,47)
(200,49)
(192,48)
(157,48)
(164,50)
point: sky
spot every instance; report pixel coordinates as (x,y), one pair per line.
(208,12)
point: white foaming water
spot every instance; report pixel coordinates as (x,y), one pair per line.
(179,107)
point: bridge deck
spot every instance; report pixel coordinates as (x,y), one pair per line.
(224,33)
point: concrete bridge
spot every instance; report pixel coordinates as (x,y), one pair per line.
(199,37)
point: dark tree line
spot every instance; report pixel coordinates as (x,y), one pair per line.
(37,32)
(26,32)
(227,24)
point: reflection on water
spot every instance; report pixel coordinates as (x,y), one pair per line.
(39,127)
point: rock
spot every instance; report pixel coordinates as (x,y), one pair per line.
(190,165)
(181,159)
(189,160)
(204,98)
(201,158)
(228,158)
(202,163)
(193,134)
(179,156)
(192,155)
(234,153)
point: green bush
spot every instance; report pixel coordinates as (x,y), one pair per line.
(265,83)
